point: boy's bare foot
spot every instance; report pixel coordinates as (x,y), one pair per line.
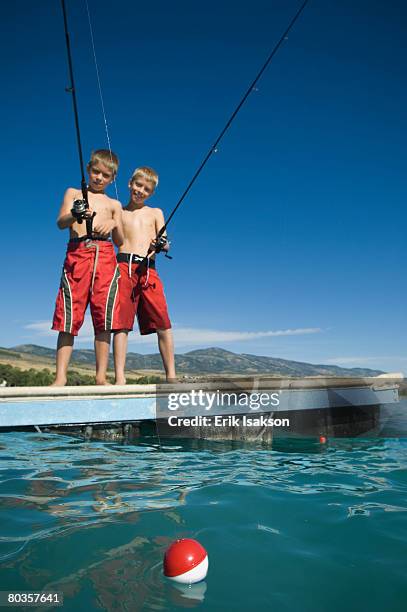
(172,380)
(120,381)
(59,382)
(103,382)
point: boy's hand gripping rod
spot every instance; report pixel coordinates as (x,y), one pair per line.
(79,206)
(251,88)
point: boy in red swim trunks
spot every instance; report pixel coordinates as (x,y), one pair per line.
(90,273)
(140,288)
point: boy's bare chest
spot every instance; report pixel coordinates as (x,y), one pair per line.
(139,221)
(102,208)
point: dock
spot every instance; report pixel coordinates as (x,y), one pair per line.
(315,405)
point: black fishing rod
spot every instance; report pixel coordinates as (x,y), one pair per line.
(79,206)
(232,117)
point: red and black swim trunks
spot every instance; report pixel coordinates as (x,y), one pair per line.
(141,293)
(90,275)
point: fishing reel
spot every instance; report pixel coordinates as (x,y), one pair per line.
(161,242)
(78,210)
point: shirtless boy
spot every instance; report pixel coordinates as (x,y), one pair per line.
(140,288)
(90,273)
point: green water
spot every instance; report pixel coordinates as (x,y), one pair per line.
(301,527)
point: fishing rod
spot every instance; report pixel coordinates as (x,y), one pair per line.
(79,206)
(213,148)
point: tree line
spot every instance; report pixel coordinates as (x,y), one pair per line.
(11,376)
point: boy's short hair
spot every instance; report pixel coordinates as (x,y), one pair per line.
(106,157)
(147,173)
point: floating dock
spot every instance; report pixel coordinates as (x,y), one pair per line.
(317,405)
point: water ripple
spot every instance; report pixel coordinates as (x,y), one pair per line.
(119,506)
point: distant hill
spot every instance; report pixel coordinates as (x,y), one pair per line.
(205,362)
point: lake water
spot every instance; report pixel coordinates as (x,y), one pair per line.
(302,527)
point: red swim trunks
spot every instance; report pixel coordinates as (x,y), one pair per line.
(141,292)
(90,276)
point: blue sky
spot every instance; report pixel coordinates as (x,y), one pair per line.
(292,242)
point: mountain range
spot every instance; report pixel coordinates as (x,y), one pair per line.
(208,361)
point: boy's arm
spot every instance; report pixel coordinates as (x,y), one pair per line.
(117,231)
(65,218)
(113,226)
(159,224)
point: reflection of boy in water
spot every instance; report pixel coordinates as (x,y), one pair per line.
(90,273)
(140,288)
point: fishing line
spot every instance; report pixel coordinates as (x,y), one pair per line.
(251,88)
(100,93)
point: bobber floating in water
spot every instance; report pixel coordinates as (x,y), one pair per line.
(186,561)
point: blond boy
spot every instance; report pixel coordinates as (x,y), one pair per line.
(140,288)
(90,273)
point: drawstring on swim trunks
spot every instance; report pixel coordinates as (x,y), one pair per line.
(134,258)
(89,244)
(130,262)
(148,273)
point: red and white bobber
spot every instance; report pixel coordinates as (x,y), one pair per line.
(186,561)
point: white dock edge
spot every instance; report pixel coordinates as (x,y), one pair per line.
(315,382)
